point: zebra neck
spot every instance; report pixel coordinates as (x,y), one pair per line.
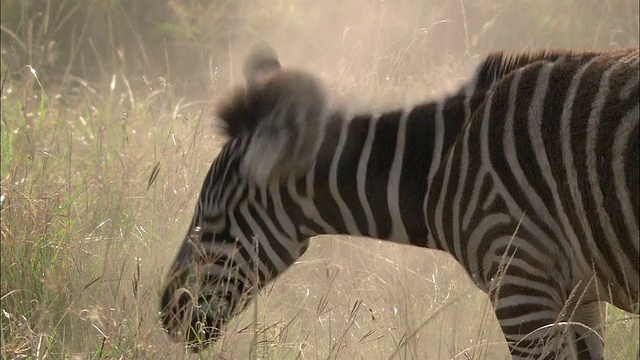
(372,172)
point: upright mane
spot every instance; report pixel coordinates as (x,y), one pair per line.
(273,99)
(282,112)
(280,101)
(499,64)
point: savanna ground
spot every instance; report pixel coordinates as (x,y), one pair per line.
(106,135)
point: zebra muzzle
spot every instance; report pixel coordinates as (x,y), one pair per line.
(195,321)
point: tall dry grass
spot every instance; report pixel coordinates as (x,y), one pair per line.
(103,153)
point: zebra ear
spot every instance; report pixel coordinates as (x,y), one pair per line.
(261,62)
(288,111)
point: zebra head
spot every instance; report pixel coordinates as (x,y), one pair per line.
(247,227)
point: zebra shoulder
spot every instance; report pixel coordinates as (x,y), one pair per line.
(280,113)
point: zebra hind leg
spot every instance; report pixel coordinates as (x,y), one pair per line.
(586,329)
(537,326)
(580,336)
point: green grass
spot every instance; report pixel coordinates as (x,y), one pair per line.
(87,237)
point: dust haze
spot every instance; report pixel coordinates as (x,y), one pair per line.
(393,49)
(127,84)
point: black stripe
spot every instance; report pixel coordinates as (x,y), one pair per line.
(379,168)
(474,162)
(245,254)
(485,243)
(275,243)
(588,90)
(322,198)
(508,289)
(418,155)
(632,159)
(613,111)
(293,211)
(348,169)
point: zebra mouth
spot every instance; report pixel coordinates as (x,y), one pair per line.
(197,325)
(207,321)
(204,329)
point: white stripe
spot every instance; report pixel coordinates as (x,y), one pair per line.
(247,265)
(309,209)
(534,115)
(362,177)
(322,130)
(439,140)
(345,212)
(534,118)
(593,126)
(622,139)
(280,212)
(515,300)
(556,295)
(284,241)
(470,91)
(306,203)
(572,173)
(398,233)
(263,243)
(440,204)
(456,213)
(632,83)
(472,207)
(239,261)
(487,223)
(513,209)
(527,317)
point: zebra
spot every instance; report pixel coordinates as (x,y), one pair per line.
(509,175)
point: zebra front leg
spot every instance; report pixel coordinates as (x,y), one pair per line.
(539,323)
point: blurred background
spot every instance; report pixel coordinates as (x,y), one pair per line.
(106,135)
(195,46)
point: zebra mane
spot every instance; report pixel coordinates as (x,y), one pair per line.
(499,64)
(235,111)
